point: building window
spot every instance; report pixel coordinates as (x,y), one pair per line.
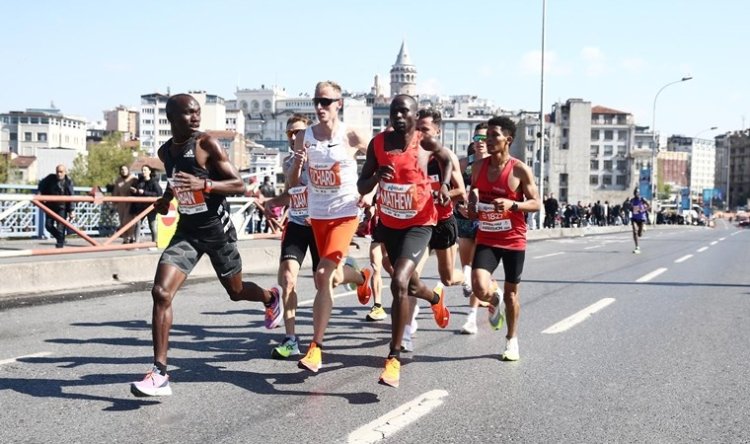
(622,180)
(376,123)
(594,164)
(608,165)
(163,122)
(594,150)
(45,120)
(24,120)
(622,135)
(621,165)
(594,134)
(13,136)
(594,180)
(14,120)
(41,137)
(565,132)
(608,150)
(34,120)
(621,150)
(608,135)
(27,137)
(564,179)
(607,179)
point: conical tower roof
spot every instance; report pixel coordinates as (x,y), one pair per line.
(403,56)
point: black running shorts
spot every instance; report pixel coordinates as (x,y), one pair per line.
(444,234)
(184,253)
(488,258)
(410,243)
(295,242)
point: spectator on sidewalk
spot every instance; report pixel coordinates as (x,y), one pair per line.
(58,184)
(146,186)
(121,188)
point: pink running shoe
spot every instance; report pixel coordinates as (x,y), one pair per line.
(153,384)
(275,313)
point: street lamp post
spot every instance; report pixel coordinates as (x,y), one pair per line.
(713,128)
(541,120)
(655,150)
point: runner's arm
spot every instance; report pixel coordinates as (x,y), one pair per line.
(231,182)
(368,177)
(459,189)
(530,191)
(300,157)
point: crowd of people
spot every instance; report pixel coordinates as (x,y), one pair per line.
(571,215)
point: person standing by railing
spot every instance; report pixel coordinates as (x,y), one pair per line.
(146,186)
(58,184)
(121,187)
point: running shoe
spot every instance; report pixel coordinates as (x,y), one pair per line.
(511,350)
(391,372)
(290,347)
(470,327)
(407,344)
(496,315)
(414,324)
(637,250)
(364,291)
(313,360)
(351,262)
(275,313)
(376,314)
(466,287)
(440,311)
(153,384)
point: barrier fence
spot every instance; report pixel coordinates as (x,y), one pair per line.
(22,215)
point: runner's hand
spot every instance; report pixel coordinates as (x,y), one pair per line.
(188,181)
(443,197)
(502,205)
(386,172)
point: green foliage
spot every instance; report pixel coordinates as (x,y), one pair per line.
(4,167)
(665,191)
(102,164)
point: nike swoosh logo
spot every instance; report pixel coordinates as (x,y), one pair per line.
(333,144)
(414,255)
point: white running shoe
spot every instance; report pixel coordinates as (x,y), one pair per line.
(470,327)
(511,350)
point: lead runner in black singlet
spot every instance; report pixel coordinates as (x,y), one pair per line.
(200,176)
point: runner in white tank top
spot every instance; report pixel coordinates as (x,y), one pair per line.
(330,150)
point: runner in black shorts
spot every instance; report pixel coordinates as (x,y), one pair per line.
(296,239)
(200,177)
(488,258)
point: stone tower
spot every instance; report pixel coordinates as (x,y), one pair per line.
(403,74)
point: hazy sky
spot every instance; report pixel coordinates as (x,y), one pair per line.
(88,56)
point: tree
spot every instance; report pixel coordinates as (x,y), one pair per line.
(102,164)
(4,167)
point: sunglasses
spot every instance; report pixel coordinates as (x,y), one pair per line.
(324,101)
(479,138)
(290,133)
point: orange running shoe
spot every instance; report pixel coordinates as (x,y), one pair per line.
(391,372)
(439,310)
(313,360)
(364,291)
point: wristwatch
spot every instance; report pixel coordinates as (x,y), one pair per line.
(514,207)
(208,185)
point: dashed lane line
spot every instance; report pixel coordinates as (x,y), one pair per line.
(579,317)
(549,255)
(683,258)
(16,359)
(387,425)
(649,276)
(702,249)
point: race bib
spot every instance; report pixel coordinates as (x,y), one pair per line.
(398,200)
(298,201)
(435,182)
(325,177)
(189,201)
(492,221)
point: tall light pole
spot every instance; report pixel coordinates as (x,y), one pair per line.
(713,128)
(541,119)
(656,139)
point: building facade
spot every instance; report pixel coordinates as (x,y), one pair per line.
(701,162)
(123,120)
(403,74)
(154,126)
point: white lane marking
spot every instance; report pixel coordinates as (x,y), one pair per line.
(735,233)
(592,247)
(722,238)
(683,258)
(33,355)
(393,421)
(310,301)
(653,274)
(714,242)
(579,317)
(549,255)
(702,249)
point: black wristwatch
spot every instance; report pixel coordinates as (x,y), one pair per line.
(514,207)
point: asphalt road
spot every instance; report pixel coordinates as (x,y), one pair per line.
(664,359)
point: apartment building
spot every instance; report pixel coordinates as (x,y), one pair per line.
(701,162)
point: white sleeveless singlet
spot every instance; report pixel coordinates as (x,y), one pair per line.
(332,176)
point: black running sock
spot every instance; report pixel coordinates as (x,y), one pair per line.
(394,354)
(270,303)
(376,305)
(435,299)
(161,367)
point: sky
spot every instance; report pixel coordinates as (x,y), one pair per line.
(89,56)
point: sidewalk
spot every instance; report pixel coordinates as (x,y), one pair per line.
(86,271)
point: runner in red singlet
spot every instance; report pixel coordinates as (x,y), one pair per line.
(397,162)
(503,190)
